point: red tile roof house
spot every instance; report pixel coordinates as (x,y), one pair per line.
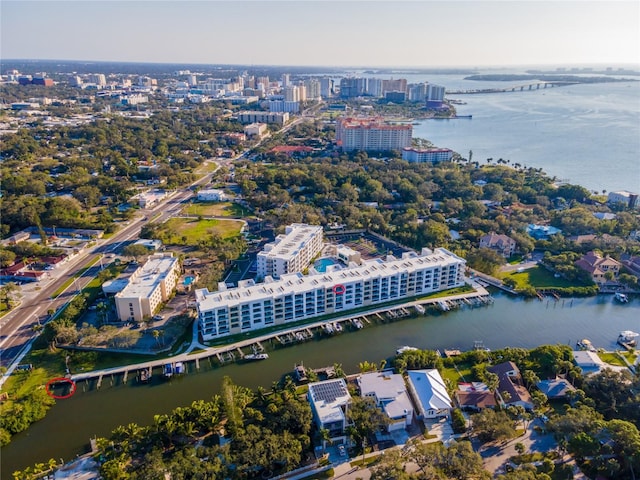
(475,396)
(510,383)
(503,244)
(597,266)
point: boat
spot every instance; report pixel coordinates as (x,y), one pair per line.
(406,348)
(300,373)
(338,327)
(167,370)
(628,337)
(621,297)
(357,323)
(585,344)
(420,309)
(179,368)
(328,328)
(443,306)
(143,375)
(256,356)
(479,346)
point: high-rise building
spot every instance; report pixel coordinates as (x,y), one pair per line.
(397,85)
(286,79)
(371,134)
(374,87)
(326,87)
(296,297)
(435,95)
(352,87)
(418,92)
(290,252)
(313,89)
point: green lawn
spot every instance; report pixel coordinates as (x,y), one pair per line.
(538,277)
(66,284)
(611,359)
(194,229)
(222,209)
(462,375)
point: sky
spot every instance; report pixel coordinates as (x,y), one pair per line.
(419,33)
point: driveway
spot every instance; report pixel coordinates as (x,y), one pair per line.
(495,454)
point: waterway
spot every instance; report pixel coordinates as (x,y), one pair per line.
(516,322)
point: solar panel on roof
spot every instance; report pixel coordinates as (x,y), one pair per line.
(329,392)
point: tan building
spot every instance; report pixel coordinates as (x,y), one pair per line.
(503,244)
(597,266)
(148,287)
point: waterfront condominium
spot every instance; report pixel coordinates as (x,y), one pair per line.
(291,252)
(371,134)
(149,286)
(420,155)
(296,297)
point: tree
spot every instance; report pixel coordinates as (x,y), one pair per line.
(367,418)
(7,257)
(9,294)
(136,251)
(490,425)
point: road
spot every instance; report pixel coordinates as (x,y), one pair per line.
(18,325)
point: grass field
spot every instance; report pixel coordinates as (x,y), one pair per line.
(222,209)
(538,277)
(611,359)
(193,229)
(463,374)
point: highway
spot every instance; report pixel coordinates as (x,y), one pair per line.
(17,327)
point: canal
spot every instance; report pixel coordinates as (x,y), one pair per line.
(65,431)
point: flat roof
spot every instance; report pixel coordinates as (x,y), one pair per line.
(146,278)
(297,283)
(328,397)
(297,236)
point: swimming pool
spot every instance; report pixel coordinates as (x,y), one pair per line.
(321,264)
(188,280)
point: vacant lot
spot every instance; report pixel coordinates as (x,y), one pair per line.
(188,231)
(221,209)
(538,277)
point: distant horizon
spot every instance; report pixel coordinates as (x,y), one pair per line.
(614,66)
(343,34)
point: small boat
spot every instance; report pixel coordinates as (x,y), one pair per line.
(628,337)
(143,375)
(168,370)
(328,328)
(357,323)
(406,348)
(179,368)
(256,356)
(420,309)
(300,373)
(621,297)
(338,327)
(585,344)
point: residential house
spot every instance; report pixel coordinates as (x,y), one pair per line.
(510,391)
(588,361)
(429,393)
(329,401)
(542,232)
(598,266)
(390,394)
(556,388)
(632,263)
(503,244)
(475,396)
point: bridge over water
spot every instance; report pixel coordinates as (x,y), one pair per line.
(514,88)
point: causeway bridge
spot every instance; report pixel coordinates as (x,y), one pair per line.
(514,88)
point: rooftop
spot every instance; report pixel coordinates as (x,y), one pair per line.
(147,277)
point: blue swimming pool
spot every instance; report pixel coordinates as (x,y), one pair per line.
(322,264)
(188,280)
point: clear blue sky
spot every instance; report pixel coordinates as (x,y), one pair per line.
(355,33)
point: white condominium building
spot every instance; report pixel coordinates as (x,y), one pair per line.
(434,155)
(291,252)
(279,118)
(149,286)
(296,297)
(372,134)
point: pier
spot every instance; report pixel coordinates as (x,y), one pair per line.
(224,354)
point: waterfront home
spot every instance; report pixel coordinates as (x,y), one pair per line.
(329,401)
(587,361)
(475,396)
(390,394)
(556,388)
(429,393)
(598,266)
(503,244)
(510,391)
(542,232)
(632,263)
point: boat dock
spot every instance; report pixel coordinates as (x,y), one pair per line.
(229,353)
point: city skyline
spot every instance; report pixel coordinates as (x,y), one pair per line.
(328,33)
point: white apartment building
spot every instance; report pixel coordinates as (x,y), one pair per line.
(149,286)
(624,197)
(279,118)
(372,134)
(433,155)
(291,252)
(296,297)
(284,106)
(212,195)
(255,130)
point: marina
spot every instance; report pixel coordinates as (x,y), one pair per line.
(508,321)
